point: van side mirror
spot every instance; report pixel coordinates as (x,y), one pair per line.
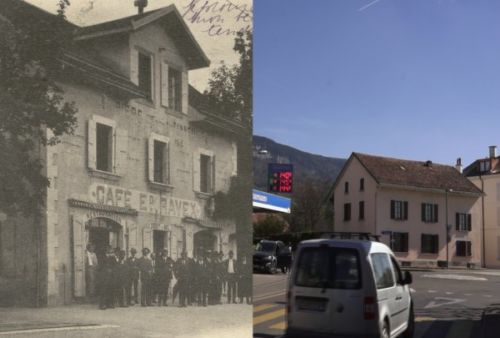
(407,278)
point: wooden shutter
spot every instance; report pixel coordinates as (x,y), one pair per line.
(457,221)
(196,171)
(78,257)
(435,215)
(405,242)
(212,174)
(423,212)
(469,222)
(234,159)
(166,160)
(164,84)
(121,151)
(435,243)
(469,248)
(185,92)
(134,66)
(405,209)
(393,208)
(151,159)
(91,145)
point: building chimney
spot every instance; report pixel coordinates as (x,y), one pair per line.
(458,166)
(493,151)
(140,4)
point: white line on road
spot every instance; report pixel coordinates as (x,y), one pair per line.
(269,295)
(449,293)
(56,329)
(467,294)
(488,296)
(432,291)
(440,301)
(412,290)
(456,277)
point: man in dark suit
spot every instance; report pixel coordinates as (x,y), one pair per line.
(133,277)
(164,275)
(181,274)
(107,273)
(231,274)
(146,273)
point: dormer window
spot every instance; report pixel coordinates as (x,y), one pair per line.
(145,74)
(175,89)
(484,166)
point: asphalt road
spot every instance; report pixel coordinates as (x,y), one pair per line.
(448,303)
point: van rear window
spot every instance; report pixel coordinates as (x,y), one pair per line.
(329,268)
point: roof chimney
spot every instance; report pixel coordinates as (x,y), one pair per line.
(493,151)
(458,166)
(140,4)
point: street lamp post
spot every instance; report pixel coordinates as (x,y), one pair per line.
(447,231)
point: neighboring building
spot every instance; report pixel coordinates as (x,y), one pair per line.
(485,174)
(408,203)
(141,169)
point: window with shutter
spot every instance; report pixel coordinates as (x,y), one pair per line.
(399,210)
(430,213)
(102,148)
(205,171)
(164,83)
(175,89)
(361,210)
(145,76)
(158,159)
(347,211)
(429,243)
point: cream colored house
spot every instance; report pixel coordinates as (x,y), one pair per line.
(409,204)
(484,173)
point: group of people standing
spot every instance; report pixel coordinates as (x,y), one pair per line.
(117,280)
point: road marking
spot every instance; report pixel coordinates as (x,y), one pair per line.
(460,329)
(467,294)
(263,307)
(487,273)
(449,293)
(488,296)
(456,277)
(279,326)
(58,329)
(432,291)
(268,316)
(269,295)
(447,301)
(424,319)
(412,290)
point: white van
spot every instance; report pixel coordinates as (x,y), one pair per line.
(348,288)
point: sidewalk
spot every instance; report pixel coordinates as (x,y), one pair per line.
(224,321)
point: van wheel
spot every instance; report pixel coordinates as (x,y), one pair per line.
(385,331)
(411,325)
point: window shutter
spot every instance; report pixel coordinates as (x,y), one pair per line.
(151,159)
(469,248)
(423,212)
(164,84)
(78,257)
(234,159)
(167,163)
(212,174)
(196,171)
(469,222)
(134,66)
(91,145)
(392,208)
(435,216)
(406,242)
(121,149)
(185,92)
(405,209)
(457,221)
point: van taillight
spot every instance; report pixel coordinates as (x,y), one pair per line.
(369,308)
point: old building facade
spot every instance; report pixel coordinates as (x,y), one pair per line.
(414,207)
(141,169)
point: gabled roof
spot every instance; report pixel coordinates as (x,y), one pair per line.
(473,169)
(414,174)
(168,16)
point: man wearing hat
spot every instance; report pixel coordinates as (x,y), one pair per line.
(164,273)
(230,268)
(133,277)
(146,273)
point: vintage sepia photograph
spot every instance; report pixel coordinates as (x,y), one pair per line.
(126,171)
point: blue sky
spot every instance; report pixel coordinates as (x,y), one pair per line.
(415,79)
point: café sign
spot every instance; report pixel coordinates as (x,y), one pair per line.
(144,201)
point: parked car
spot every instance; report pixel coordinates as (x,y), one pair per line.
(270,256)
(348,288)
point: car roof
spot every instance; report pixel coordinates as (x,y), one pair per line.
(364,245)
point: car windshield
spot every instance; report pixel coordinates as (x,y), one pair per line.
(330,268)
(269,247)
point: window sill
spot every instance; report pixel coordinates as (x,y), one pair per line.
(204,195)
(104,174)
(160,186)
(174,112)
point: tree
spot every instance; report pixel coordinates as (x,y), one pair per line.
(33,113)
(271,225)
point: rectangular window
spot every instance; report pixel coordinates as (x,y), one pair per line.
(484,166)
(382,269)
(145,75)
(332,268)
(362,210)
(463,222)
(464,248)
(399,210)
(361,184)
(429,213)
(346,187)
(206,174)
(175,89)
(160,162)
(399,242)
(347,211)
(104,147)
(430,244)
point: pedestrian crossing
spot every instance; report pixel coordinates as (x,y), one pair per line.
(270,318)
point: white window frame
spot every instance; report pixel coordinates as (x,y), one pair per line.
(134,69)
(151,158)
(197,171)
(92,142)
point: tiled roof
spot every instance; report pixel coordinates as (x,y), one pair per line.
(416,174)
(473,169)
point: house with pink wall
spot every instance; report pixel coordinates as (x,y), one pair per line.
(426,212)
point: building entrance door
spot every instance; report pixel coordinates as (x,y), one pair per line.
(204,242)
(103,233)
(159,241)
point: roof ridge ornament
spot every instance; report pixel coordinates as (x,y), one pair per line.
(141,4)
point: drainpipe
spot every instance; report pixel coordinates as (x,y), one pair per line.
(483,251)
